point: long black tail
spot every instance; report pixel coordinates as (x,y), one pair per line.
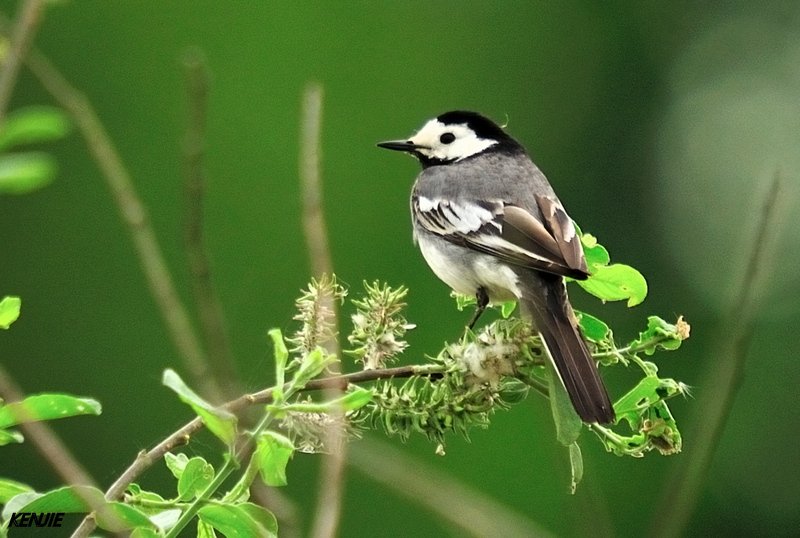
(545,299)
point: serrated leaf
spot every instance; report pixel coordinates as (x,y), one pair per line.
(616,283)
(47,407)
(11,488)
(592,328)
(176,463)
(568,423)
(219,421)
(576,466)
(33,124)
(195,478)
(21,173)
(9,311)
(273,453)
(233,522)
(70,499)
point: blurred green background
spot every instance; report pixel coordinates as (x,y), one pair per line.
(661,126)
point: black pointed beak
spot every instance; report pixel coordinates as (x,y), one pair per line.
(400,145)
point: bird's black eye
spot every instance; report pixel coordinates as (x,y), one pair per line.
(446,138)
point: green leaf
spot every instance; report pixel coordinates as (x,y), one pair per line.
(262,516)
(176,463)
(9,311)
(596,255)
(117,517)
(233,521)
(33,124)
(568,423)
(663,335)
(166,519)
(576,466)
(507,308)
(593,251)
(513,390)
(142,532)
(204,530)
(592,328)
(70,499)
(195,478)
(46,407)
(10,488)
(219,421)
(138,496)
(273,453)
(616,283)
(662,430)
(21,173)
(281,356)
(637,400)
(10,436)
(313,364)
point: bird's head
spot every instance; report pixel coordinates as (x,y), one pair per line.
(453,137)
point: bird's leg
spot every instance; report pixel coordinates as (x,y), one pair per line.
(483,301)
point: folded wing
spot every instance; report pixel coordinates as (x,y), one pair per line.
(509,232)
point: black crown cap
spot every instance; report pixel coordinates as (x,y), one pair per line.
(483,127)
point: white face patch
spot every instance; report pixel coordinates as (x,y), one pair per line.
(464,141)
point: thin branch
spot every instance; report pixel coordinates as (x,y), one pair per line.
(331,482)
(209,310)
(30,16)
(134,216)
(146,458)
(466,508)
(723,376)
(311,184)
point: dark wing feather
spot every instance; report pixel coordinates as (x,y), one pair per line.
(506,231)
(563,230)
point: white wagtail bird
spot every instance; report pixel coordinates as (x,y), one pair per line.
(490,226)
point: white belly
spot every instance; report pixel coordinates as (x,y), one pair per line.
(465,270)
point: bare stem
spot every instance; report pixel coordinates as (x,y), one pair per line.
(209,310)
(331,483)
(311,183)
(134,215)
(30,16)
(723,377)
